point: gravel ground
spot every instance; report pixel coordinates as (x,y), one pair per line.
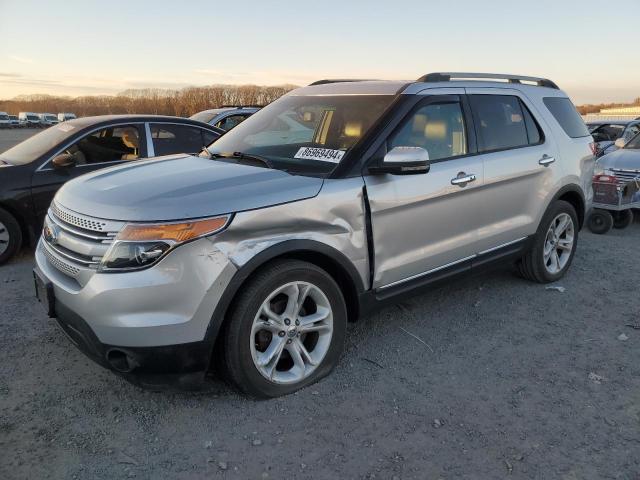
(512,380)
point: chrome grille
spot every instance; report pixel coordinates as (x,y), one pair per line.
(76,243)
(77,220)
(626,176)
(65,268)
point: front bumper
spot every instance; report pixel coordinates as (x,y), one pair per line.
(145,323)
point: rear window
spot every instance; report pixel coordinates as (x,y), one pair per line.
(567,116)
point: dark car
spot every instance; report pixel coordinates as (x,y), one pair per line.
(32,171)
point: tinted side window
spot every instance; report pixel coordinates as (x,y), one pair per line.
(231,121)
(500,122)
(438,127)
(567,116)
(169,139)
(107,145)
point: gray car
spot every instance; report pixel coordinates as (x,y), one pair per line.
(252,257)
(225,117)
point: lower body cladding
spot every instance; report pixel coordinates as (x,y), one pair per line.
(152,326)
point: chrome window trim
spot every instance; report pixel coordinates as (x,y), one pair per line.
(68,144)
(150,150)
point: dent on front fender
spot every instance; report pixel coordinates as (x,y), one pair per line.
(335,218)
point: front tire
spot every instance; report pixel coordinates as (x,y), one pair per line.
(10,236)
(285,331)
(554,245)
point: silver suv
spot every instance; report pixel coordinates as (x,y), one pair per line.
(333,200)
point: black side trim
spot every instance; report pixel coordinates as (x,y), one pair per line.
(373,300)
(182,365)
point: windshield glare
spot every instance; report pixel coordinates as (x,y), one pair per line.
(306,135)
(34,147)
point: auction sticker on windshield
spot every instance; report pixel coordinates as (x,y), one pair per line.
(324,154)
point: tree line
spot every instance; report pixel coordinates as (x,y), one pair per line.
(183,103)
(595,108)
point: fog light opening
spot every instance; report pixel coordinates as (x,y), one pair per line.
(120,361)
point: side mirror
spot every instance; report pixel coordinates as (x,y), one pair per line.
(403,161)
(64,160)
(620,143)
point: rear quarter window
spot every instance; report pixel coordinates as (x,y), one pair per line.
(567,116)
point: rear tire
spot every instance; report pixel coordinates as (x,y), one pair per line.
(622,219)
(286,329)
(10,236)
(600,221)
(554,245)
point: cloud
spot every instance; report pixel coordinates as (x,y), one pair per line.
(9,75)
(18,59)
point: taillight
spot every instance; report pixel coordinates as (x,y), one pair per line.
(604,178)
(593,147)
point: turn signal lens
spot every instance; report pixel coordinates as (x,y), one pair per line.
(175,232)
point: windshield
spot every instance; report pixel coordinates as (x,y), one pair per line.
(4,117)
(634,143)
(33,117)
(34,147)
(307,135)
(204,117)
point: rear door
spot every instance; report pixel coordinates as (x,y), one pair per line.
(520,165)
(98,149)
(424,223)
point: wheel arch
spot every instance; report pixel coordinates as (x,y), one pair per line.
(334,262)
(573,194)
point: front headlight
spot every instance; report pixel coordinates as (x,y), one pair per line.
(140,245)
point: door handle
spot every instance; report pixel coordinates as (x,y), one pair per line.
(546,160)
(463,178)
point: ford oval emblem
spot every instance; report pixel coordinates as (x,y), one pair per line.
(50,234)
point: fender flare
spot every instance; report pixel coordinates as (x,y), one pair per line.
(295,248)
(572,188)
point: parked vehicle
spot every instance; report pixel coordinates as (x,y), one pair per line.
(252,256)
(5,121)
(63,117)
(14,121)
(47,119)
(32,171)
(606,133)
(225,117)
(616,186)
(29,119)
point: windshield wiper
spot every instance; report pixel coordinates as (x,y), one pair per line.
(206,151)
(250,158)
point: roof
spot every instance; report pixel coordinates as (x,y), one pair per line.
(430,81)
(105,119)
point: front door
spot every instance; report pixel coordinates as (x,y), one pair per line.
(427,222)
(99,149)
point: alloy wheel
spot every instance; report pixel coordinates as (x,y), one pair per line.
(559,243)
(291,332)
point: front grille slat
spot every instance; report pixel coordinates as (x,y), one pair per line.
(79,242)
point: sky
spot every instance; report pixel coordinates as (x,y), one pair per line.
(87,47)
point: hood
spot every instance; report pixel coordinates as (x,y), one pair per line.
(180,187)
(625,159)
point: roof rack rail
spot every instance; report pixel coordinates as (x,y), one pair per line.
(447,76)
(337,80)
